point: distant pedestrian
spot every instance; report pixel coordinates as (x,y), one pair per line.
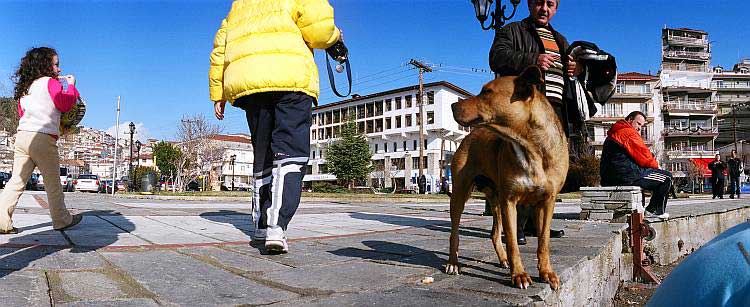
(262,62)
(717,168)
(734,165)
(41,100)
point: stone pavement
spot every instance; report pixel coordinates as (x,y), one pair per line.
(151,253)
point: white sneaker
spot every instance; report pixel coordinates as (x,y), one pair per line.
(276,240)
(662,216)
(259,234)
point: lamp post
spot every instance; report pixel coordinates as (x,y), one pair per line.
(130,161)
(232,158)
(138,154)
(497,18)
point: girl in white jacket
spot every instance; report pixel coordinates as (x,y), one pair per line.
(41,101)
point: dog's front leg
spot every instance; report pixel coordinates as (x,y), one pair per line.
(461,192)
(518,274)
(497,224)
(543,215)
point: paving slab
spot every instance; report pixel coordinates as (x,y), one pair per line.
(132,302)
(89,286)
(23,289)
(157,232)
(48,258)
(403,296)
(233,259)
(95,231)
(346,277)
(183,280)
(211,229)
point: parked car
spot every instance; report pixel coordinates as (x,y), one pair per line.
(193,185)
(39,183)
(66,180)
(31,183)
(106,186)
(88,183)
(4,177)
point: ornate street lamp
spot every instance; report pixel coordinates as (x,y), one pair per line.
(497,18)
(232,158)
(130,163)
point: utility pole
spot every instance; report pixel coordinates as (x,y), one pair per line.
(117,140)
(420,101)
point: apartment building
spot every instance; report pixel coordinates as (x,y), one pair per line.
(390,121)
(732,95)
(689,109)
(633,92)
(236,164)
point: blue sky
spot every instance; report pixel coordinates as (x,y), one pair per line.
(155,53)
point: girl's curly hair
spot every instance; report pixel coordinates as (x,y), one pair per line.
(35,64)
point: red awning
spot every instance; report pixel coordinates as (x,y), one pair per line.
(702,163)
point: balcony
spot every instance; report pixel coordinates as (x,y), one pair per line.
(685,67)
(721,86)
(692,55)
(690,105)
(690,131)
(683,40)
(689,153)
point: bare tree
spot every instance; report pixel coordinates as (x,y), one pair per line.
(696,175)
(199,151)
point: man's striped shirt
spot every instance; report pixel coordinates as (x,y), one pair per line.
(553,77)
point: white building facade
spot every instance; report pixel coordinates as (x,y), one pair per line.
(390,121)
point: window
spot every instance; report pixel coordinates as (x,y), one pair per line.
(336,117)
(385,147)
(361,127)
(430,117)
(329,117)
(430,97)
(613,110)
(408,101)
(418,118)
(404,145)
(425,143)
(407,123)
(415,162)
(314,120)
(387,123)
(370,109)
(620,88)
(376,147)
(398,164)
(344,114)
(395,148)
(398,121)
(387,105)
(379,125)
(308,169)
(314,135)
(313,154)
(360,111)
(370,125)
(323,169)
(415,145)
(398,103)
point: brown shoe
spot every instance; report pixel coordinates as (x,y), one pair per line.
(11,231)
(76,219)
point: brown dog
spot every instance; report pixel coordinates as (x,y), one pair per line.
(521,149)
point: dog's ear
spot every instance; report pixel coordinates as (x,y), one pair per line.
(525,82)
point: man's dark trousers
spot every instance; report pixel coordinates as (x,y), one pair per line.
(280,133)
(658,182)
(734,186)
(717,186)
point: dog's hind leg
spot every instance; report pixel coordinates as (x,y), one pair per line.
(462,187)
(497,226)
(544,214)
(518,274)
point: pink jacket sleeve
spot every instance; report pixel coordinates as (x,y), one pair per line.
(64,99)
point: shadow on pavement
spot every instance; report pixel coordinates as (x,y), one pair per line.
(436,225)
(241,221)
(23,249)
(412,255)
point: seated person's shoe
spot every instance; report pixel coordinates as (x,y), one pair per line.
(11,231)
(556,233)
(76,219)
(662,216)
(521,238)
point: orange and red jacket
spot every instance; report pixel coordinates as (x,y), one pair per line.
(624,156)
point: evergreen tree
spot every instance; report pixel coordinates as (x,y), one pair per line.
(349,158)
(166,156)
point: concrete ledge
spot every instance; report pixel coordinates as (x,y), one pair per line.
(354,199)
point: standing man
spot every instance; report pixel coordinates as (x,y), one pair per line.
(717,168)
(627,161)
(262,62)
(735,169)
(533,41)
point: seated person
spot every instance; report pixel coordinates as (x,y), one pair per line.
(627,161)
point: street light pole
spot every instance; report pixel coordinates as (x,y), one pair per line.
(420,101)
(130,158)
(232,159)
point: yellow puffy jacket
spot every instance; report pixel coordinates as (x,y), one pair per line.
(267,45)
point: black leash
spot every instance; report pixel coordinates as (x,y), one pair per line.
(331,79)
